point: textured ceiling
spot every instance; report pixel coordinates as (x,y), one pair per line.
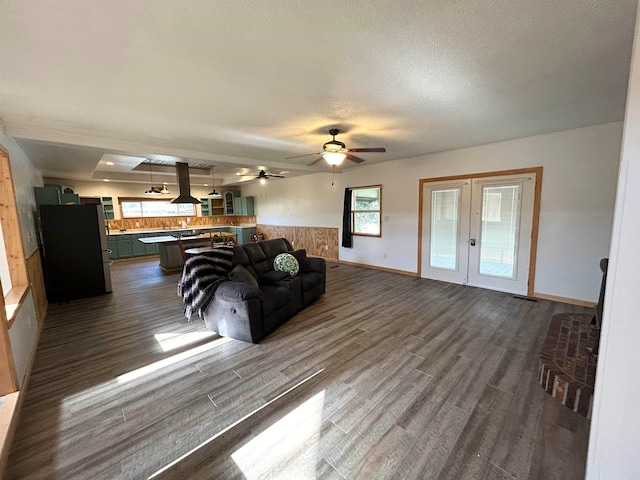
(249,83)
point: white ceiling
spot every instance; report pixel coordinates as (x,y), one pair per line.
(248,83)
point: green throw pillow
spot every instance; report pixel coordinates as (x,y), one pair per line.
(286,262)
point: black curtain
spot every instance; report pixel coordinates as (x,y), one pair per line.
(346,220)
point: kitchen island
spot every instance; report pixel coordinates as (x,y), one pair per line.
(124,244)
(171,247)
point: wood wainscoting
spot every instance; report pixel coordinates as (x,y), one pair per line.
(136,223)
(317,241)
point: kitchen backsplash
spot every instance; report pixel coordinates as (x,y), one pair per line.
(176,222)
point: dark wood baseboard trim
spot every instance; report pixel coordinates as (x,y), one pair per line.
(570,301)
(383,269)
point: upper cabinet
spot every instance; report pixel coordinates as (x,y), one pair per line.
(107,206)
(228,203)
(53,195)
(243,206)
(212,206)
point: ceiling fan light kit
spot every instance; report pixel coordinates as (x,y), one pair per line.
(334,158)
(334,151)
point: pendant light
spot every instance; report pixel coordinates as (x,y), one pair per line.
(152,190)
(164,190)
(213,192)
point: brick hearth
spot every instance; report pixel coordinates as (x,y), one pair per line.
(567,370)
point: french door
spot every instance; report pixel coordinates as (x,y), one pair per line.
(477,231)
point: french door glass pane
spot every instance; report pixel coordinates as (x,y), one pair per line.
(500,211)
(444,229)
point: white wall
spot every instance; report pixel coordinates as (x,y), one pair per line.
(23,331)
(614,445)
(307,201)
(578,192)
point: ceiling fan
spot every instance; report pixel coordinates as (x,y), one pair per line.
(264,176)
(334,151)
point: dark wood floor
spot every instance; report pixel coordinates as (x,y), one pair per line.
(387,376)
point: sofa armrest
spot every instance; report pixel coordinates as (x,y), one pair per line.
(318,264)
(237,291)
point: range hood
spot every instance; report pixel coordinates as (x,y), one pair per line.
(184,186)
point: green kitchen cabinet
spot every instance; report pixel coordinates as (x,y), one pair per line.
(112,245)
(107,205)
(47,195)
(243,234)
(69,199)
(205,206)
(137,247)
(228,201)
(124,246)
(243,206)
(149,248)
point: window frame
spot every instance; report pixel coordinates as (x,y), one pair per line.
(354,211)
(145,199)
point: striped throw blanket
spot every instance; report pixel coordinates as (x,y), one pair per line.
(201,276)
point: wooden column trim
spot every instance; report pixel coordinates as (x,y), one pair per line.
(11,224)
(8,375)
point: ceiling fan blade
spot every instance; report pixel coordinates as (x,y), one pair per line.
(315,161)
(353,158)
(380,150)
(305,155)
(269,175)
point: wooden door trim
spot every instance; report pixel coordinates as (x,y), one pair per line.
(535,221)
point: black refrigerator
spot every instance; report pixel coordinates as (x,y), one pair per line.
(74,251)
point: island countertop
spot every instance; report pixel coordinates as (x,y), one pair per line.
(186,238)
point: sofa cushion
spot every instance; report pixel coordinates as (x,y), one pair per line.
(310,280)
(274,247)
(241,274)
(273,277)
(257,258)
(285,262)
(274,298)
(240,257)
(303,261)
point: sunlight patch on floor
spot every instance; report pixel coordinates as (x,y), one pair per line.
(288,448)
(171,341)
(153,367)
(315,404)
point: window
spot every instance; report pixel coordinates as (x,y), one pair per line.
(365,210)
(135,207)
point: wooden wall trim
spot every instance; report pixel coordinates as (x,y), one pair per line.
(8,375)
(535,220)
(317,241)
(11,224)
(36,280)
(9,412)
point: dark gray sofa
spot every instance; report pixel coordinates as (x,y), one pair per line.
(245,312)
